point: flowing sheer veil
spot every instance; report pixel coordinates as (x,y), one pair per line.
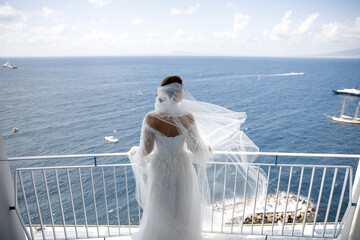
(204,125)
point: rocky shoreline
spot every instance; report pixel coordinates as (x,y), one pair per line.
(233,213)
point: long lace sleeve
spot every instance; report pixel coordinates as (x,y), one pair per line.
(146,145)
(146,140)
(140,162)
(196,145)
(199,153)
(193,139)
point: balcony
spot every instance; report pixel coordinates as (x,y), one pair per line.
(98,200)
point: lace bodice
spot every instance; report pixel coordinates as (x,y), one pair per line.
(169,145)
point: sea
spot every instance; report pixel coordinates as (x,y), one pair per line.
(67,105)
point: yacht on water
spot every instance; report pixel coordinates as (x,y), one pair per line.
(350,91)
(346,119)
(111,139)
(9,65)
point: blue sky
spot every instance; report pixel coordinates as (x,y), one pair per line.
(140,27)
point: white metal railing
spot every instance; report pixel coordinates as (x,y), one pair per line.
(90,196)
(279,169)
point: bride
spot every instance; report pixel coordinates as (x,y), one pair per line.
(174,196)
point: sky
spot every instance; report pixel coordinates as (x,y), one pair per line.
(159,27)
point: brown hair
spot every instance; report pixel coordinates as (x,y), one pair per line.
(171,79)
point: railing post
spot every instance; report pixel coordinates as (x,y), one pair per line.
(352,227)
(10,226)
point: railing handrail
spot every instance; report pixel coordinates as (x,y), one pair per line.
(65,156)
(322,155)
(213,163)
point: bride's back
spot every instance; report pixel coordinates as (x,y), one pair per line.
(166,125)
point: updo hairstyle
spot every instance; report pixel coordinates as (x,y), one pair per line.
(177,86)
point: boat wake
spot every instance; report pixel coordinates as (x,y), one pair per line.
(259,76)
(285,74)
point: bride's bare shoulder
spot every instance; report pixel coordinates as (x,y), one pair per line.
(150,118)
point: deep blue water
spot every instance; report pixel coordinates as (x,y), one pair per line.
(68,105)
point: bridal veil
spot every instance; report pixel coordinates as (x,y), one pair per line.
(208,129)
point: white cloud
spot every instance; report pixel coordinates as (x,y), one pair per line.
(41,34)
(356,29)
(223,34)
(357,22)
(283,27)
(181,36)
(99,3)
(9,28)
(176,11)
(21,34)
(58,29)
(307,24)
(47,12)
(105,37)
(240,23)
(153,34)
(137,21)
(97,36)
(179,33)
(99,22)
(333,31)
(308,32)
(230,5)
(354,32)
(190,10)
(280,30)
(10,33)
(8,13)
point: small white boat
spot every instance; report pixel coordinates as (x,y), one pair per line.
(111,139)
(350,91)
(9,65)
(346,119)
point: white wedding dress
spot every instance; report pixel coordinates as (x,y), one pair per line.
(174,197)
(172,210)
